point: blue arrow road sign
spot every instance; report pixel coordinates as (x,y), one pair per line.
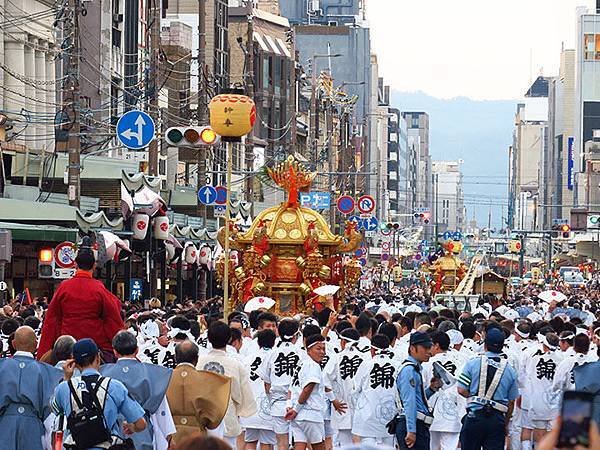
(207,195)
(370,224)
(135,129)
(457,235)
(446,236)
(360,223)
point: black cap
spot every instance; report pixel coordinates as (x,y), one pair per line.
(420,338)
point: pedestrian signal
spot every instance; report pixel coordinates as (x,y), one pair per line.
(191,136)
(514,246)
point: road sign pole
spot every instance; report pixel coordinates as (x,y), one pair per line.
(2,292)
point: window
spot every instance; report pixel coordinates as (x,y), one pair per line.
(415,122)
(265,72)
(591,47)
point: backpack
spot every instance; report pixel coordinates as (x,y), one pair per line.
(86,422)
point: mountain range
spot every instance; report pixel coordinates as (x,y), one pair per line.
(478,132)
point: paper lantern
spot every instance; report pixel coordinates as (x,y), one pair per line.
(170,250)
(161,227)
(232,115)
(191,253)
(204,255)
(140,226)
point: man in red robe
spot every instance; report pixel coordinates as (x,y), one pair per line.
(83,308)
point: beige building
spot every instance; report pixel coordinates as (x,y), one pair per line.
(526,157)
(556,196)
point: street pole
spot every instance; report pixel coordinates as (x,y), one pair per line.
(71,90)
(154,19)
(437,192)
(313,111)
(249,143)
(229,154)
(522,255)
(202,108)
(330,161)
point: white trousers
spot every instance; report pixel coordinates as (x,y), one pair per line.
(342,438)
(443,440)
(376,442)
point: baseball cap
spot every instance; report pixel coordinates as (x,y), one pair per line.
(84,348)
(494,340)
(420,338)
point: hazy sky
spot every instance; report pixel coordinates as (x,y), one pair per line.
(481,49)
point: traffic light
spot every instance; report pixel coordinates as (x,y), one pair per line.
(566,231)
(191,136)
(45,263)
(424,216)
(514,246)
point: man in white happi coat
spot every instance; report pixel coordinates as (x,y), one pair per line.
(241,401)
(564,379)
(277,371)
(539,373)
(339,375)
(375,395)
(259,427)
(448,407)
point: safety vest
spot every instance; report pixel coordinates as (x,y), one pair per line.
(484,397)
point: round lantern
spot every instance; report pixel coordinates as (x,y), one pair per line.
(140,226)
(161,227)
(232,115)
(191,253)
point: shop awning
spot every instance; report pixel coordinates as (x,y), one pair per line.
(29,232)
(13,210)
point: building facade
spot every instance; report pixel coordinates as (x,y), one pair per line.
(448,196)
(587,108)
(417,123)
(530,141)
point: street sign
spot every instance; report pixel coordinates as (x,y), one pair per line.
(361,251)
(207,194)
(369,233)
(315,200)
(354,218)
(63,274)
(370,224)
(135,289)
(363,262)
(385,246)
(422,209)
(64,255)
(135,129)
(593,221)
(457,236)
(345,204)
(221,195)
(385,256)
(447,236)
(366,204)
(219,211)
(3,286)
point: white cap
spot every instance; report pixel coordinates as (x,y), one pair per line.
(534,316)
(456,337)
(511,314)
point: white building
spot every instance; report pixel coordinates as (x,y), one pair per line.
(587,107)
(27,71)
(448,196)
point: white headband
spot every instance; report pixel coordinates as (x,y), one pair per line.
(567,337)
(544,340)
(520,333)
(314,343)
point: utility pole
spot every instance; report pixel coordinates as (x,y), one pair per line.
(71,94)
(312,136)
(293,100)
(154,14)
(202,108)
(249,144)
(330,162)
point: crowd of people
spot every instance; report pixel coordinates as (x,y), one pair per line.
(86,371)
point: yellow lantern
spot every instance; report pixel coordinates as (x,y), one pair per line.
(232,115)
